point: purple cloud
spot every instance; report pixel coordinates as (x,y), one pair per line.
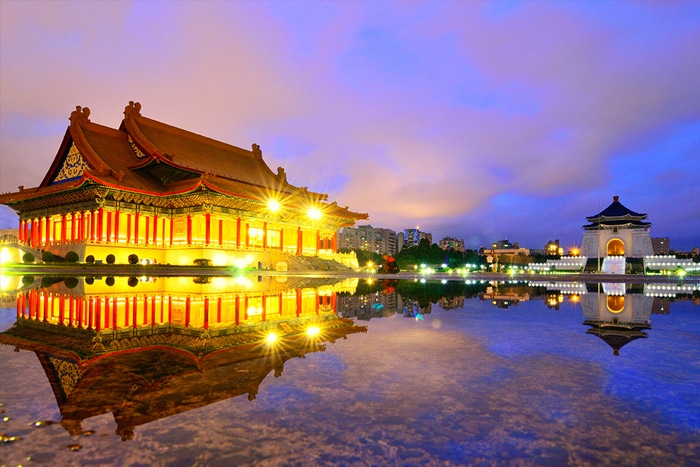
(475,120)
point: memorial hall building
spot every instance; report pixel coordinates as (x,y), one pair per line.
(171,196)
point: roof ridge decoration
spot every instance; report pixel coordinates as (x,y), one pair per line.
(78,119)
(131,113)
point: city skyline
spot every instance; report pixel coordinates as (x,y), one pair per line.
(476,120)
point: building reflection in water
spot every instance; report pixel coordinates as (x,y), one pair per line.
(617,313)
(146,348)
(615,316)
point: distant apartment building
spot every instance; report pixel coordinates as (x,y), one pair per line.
(504,245)
(503,250)
(368,238)
(412,237)
(453,244)
(553,248)
(661,245)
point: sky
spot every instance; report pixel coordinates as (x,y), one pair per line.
(469,119)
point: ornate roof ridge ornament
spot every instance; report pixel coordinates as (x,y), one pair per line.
(132,110)
(80,115)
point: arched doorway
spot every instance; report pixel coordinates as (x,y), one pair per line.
(616,303)
(616,247)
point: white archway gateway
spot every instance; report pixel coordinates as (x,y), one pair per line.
(616,231)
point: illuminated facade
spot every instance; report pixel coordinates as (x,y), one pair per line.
(617,232)
(171,196)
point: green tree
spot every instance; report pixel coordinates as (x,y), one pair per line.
(27,258)
(72,257)
(110,259)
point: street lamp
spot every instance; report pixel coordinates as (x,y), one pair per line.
(273,205)
(314,213)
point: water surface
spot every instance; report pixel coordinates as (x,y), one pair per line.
(489,374)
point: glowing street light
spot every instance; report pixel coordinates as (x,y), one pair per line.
(314,213)
(271,338)
(273,205)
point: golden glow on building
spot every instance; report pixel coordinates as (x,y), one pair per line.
(171,196)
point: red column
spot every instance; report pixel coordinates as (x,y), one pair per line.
(218,310)
(145,309)
(98,314)
(282,239)
(136,227)
(61,308)
(134,312)
(128,227)
(187,311)
(20,310)
(153,310)
(334,242)
(71,310)
(221,232)
(238,309)
(279,301)
(79,311)
(91,310)
(264,235)
(126,312)
(318,241)
(46,307)
(170,309)
(162,241)
(155,229)
(107,315)
(247,235)
(100,223)
(206,312)
(189,229)
(238,233)
(172,228)
(108,236)
(114,314)
(116,226)
(264,308)
(207,228)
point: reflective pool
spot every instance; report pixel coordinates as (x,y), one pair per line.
(185,371)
